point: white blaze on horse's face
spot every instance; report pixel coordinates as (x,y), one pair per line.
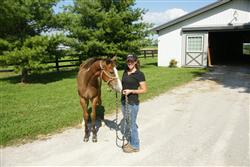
(118,85)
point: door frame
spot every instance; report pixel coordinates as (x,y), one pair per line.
(203,52)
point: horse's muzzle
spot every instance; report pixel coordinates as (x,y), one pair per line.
(116,85)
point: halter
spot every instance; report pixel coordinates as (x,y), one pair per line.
(111,78)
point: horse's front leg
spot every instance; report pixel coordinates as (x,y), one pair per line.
(84,104)
(100,103)
(93,118)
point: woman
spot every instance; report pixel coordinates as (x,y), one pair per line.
(133,83)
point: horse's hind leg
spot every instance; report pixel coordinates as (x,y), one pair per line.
(93,119)
(84,104)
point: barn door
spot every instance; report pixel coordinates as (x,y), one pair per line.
(195,53)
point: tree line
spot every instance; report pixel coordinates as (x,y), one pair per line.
(89,27)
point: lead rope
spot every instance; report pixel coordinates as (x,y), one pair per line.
(127,121)
(127,126)
(117,126)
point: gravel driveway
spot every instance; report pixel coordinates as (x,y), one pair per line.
(204,122)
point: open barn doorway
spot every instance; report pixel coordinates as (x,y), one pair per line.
(229,47)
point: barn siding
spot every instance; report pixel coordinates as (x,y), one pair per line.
(170,40)
(223,15)
(169,46)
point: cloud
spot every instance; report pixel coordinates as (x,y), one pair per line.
(158,18)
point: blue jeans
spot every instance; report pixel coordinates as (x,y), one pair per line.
(134,137)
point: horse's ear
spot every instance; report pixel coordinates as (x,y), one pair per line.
(108,61)
(113,58)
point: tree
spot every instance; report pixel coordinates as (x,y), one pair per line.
(21,43)
(105,27)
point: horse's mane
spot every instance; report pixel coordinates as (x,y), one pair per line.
(89,62)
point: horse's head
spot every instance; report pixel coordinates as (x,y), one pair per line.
(110,74)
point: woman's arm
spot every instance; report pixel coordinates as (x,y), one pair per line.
(142,89)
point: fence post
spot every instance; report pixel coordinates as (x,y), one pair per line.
(144,51)
(80,59)
(57,63)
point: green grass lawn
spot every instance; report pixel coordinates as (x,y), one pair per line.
(50,101)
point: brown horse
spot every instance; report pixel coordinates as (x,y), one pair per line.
(89,80)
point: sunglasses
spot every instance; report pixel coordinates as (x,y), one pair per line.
(130,61)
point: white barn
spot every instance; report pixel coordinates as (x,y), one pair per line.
(214,34)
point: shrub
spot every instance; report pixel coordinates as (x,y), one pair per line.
(173,63)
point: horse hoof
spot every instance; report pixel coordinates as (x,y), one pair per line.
(86,139)
(94,140)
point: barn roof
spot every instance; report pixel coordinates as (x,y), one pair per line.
(236,27)
(191,14)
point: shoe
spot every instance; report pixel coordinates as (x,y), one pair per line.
(125,145)
(129,149)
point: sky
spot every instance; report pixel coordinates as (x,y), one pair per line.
(160,11)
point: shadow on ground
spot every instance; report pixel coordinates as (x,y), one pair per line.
(233,77)
(43,78)
(121,127)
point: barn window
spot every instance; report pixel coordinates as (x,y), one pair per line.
(195,43)
(246,48)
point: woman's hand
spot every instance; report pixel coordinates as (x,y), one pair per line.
(127,91)
(142,89)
